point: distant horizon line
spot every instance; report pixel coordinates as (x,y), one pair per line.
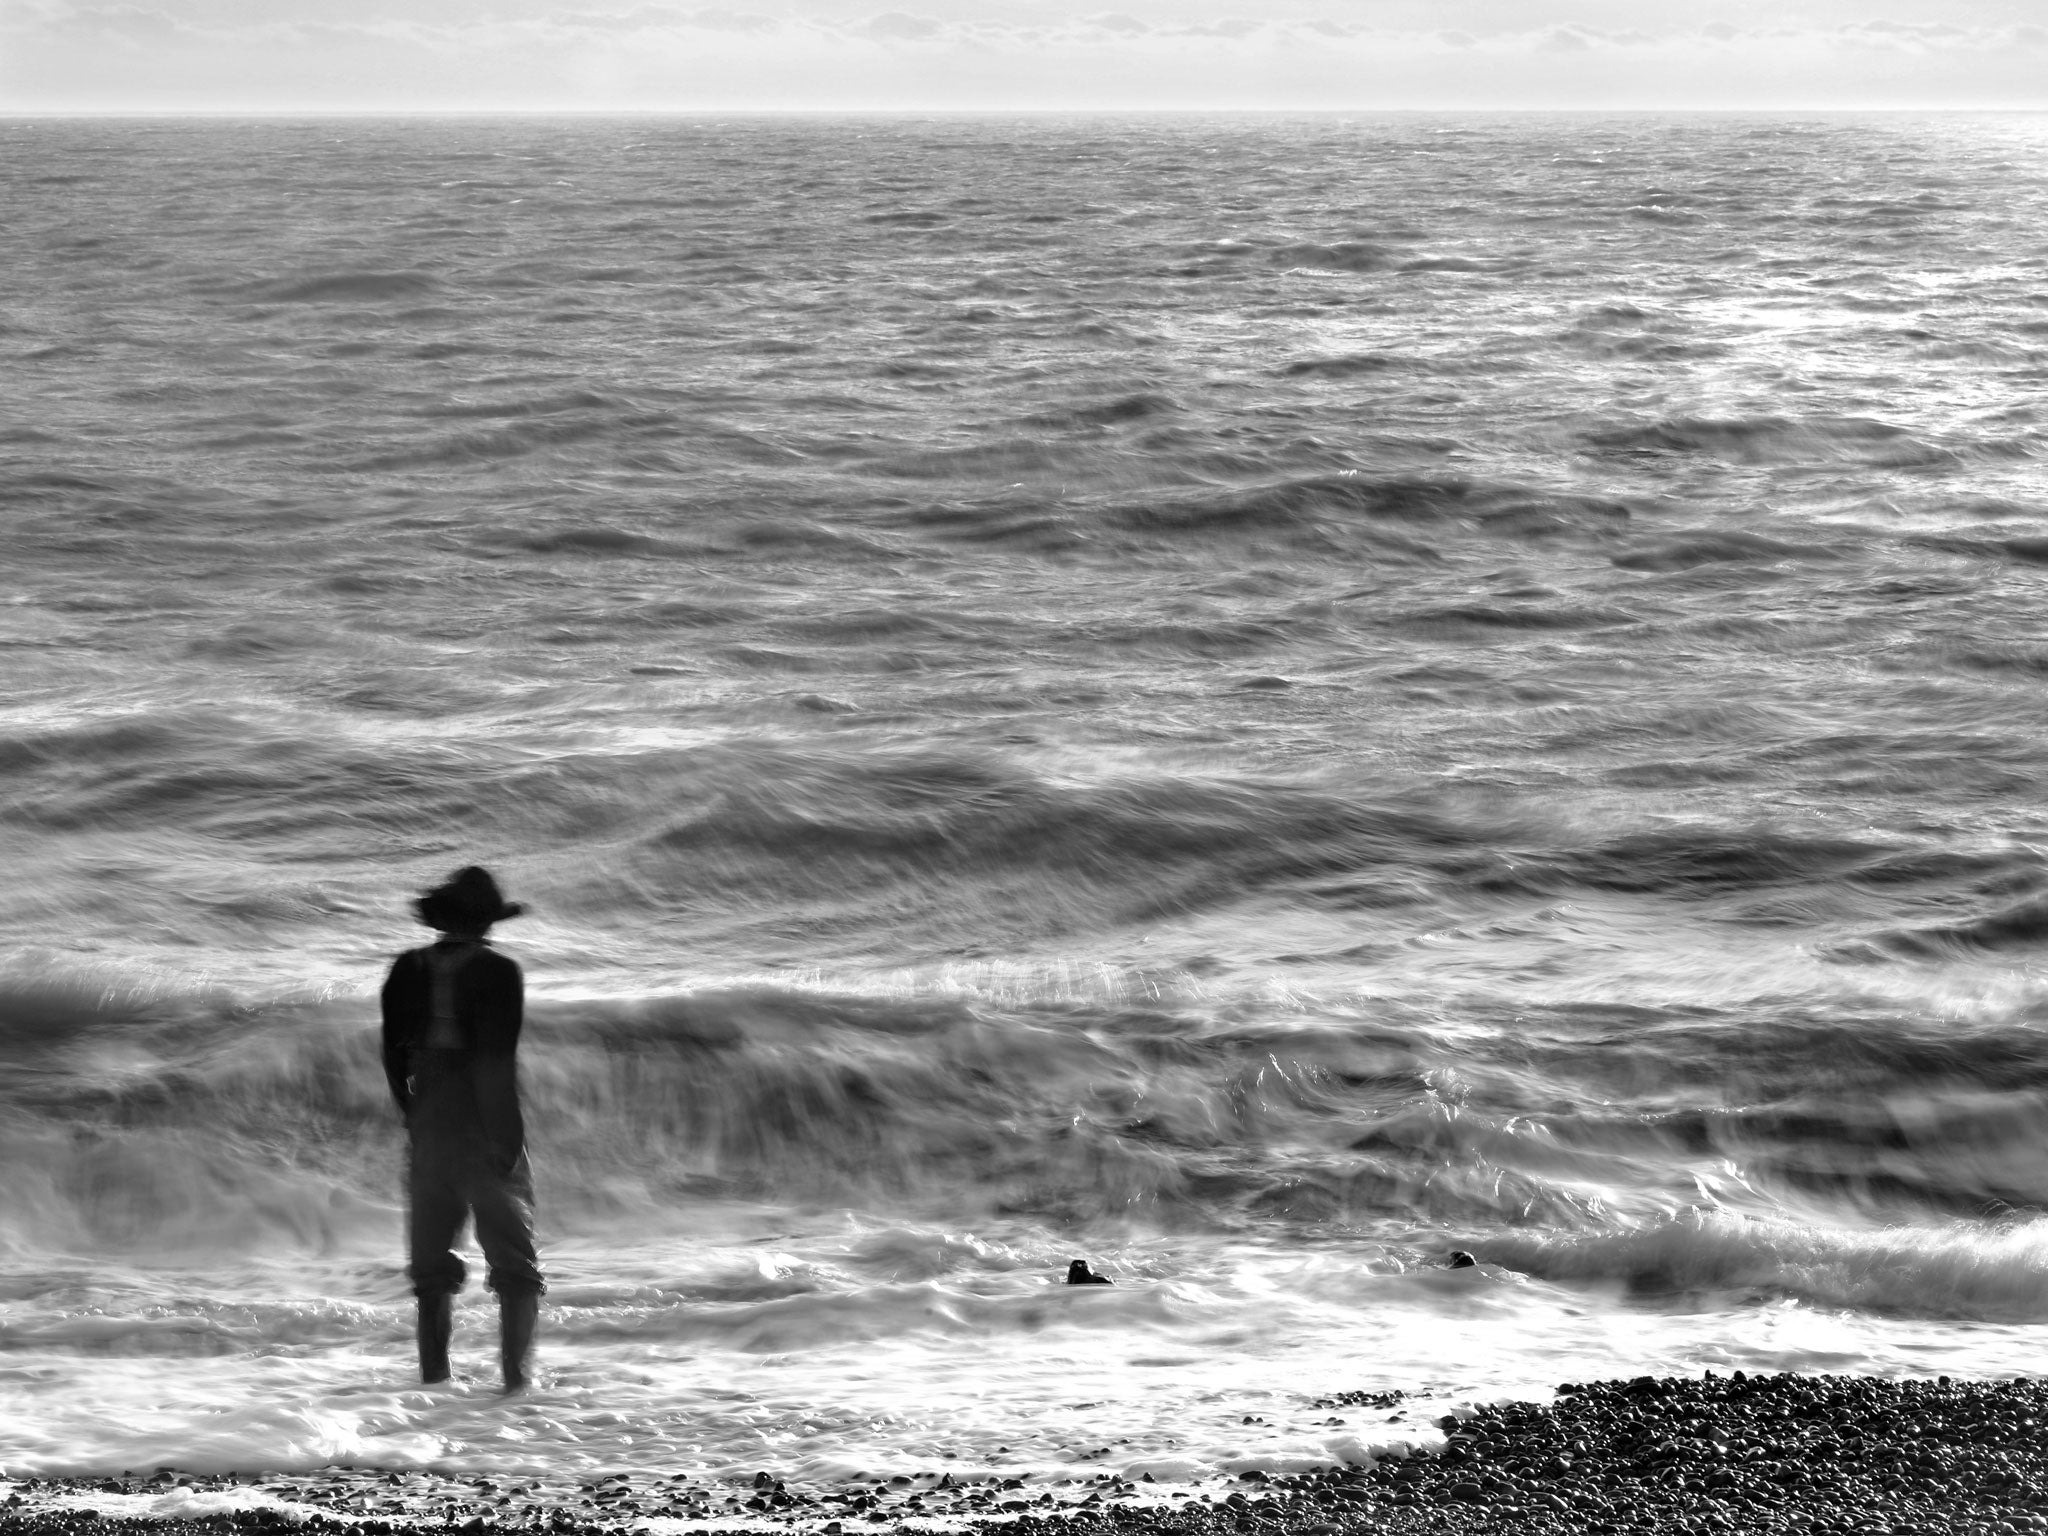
(14,114)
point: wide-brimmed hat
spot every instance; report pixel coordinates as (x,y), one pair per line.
(469,899)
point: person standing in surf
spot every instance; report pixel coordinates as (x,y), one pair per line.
(452,1016)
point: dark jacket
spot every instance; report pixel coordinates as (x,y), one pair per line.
(489,999)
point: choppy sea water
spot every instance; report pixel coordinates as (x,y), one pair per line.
(1256,700)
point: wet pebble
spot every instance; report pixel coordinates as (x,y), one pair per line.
(1649,1457)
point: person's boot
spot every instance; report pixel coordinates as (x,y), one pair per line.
(518,1316)
(437,1323)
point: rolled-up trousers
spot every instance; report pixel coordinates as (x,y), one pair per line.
(452,1177)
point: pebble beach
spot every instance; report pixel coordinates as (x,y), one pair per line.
(1736,1453)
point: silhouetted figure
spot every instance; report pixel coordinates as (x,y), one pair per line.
(1078,1273)
(452,1015)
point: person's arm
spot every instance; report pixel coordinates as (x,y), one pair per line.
(397,1036)
(500,1014)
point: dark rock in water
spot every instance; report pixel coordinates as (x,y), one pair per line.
(1078,1273)
(1460,1259)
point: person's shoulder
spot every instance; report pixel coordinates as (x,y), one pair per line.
(491,959)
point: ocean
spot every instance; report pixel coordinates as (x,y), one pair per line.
(1257,700)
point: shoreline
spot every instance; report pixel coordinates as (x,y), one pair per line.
(1714,1453)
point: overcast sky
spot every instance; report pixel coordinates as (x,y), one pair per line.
(305,55)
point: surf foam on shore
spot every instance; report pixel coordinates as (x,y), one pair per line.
(1712,1453)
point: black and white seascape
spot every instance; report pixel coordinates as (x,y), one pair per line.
(1254,700)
